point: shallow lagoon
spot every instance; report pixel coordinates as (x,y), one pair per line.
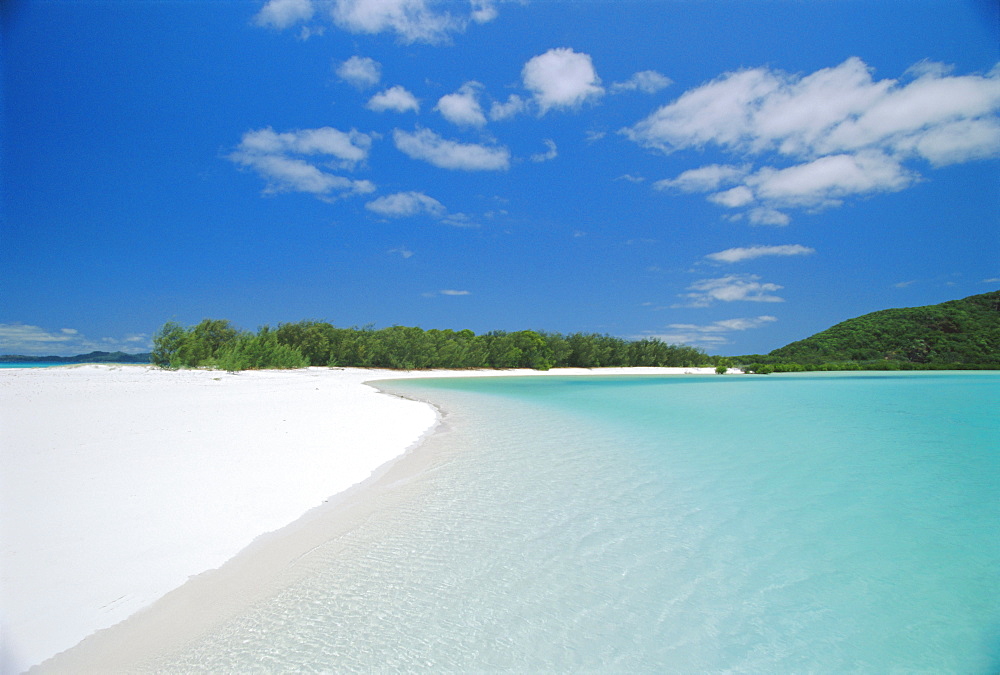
(834,522)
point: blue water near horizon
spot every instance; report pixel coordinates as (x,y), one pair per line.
(796,523)
(33,364)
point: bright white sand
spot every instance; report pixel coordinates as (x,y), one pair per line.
(118,483)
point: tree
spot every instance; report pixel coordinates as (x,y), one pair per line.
(166,343)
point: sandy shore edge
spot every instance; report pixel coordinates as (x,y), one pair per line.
(65,429)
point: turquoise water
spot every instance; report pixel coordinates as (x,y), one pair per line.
(31,364)
(794,523)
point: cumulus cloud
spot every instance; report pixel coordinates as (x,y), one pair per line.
(827,180)
(290,161)
(403,204)
(704,179)
(551,153)
(733,255)
(730,288)
(561,78)
(18,338)
(646,81)
(767,216)
(825,136)
(426,145)
(463,107)
(360,71)
(284,13)
(349,147)
(396,98)
(410,20)
(514,105)
(483,11)
(711,335)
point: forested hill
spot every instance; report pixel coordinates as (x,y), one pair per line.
(959,332)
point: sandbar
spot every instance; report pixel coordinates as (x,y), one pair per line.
(122,486)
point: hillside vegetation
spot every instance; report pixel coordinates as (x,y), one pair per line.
(956,334)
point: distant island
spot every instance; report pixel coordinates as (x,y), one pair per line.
(92,357)
(959,334)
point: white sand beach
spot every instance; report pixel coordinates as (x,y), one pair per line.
(120,483)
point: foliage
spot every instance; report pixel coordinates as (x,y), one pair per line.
(956,334)
(256,352)
(215,343)
(166,343)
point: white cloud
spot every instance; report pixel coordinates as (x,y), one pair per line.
(631,178)
(839,109)
(827,180)
(483,11)
(452,292)
(30,338)
(284,13)
(459,220)
(730,288)
(350,147)
(955,142)
(704,179)
(17,338)
(718,112)
(429,147)
(646,81)
(551,153)
(561,78)
(360,71)
(274,157)
(732,255)
(513,106)
(463,107)
(402,252)
(410,20)
(734,197)
(396,98)
(767,216)
(404,204)
(711,335)
(844,133)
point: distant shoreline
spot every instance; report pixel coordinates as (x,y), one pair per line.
(92,357)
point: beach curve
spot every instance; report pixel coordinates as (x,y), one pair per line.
(121,484)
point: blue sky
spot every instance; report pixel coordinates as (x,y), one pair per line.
(733,175)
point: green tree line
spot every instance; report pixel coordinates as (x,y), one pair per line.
(216,343)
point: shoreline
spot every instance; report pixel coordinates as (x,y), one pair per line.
(216,579)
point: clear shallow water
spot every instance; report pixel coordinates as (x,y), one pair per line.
(31,364)
(807,523)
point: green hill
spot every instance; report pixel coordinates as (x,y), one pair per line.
(961,333)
